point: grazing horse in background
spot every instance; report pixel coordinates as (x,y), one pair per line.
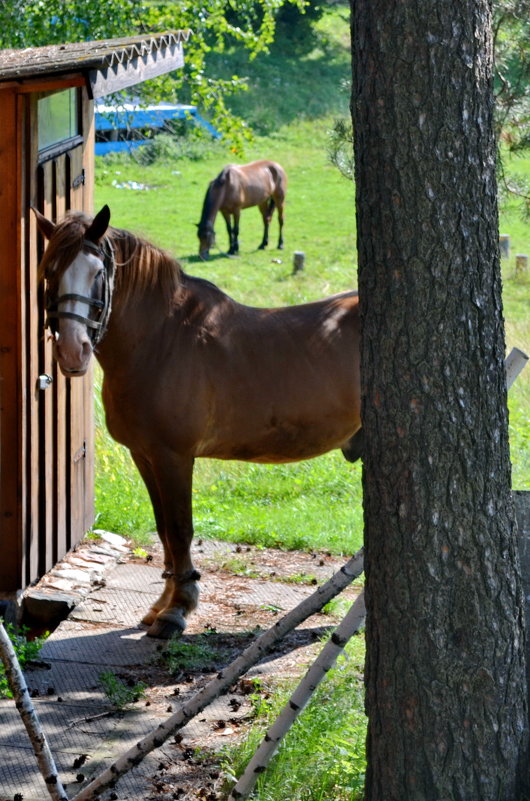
(189,372)
(260,183)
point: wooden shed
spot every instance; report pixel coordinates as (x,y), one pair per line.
(47,160)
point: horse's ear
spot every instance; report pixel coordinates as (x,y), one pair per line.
(99,225)
(46,227)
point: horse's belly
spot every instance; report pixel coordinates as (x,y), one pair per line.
(280,441)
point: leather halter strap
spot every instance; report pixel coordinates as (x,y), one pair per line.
(97,327)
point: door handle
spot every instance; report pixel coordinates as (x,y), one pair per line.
(44,381)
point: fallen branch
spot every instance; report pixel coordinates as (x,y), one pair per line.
(324,662)
(18,686)
(224,680)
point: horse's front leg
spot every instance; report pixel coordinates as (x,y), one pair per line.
(146,471)
(232,234)
(173,475)
(234,238)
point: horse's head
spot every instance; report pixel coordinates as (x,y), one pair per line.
(206,236)
(78,268)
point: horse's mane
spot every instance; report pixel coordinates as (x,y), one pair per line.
(211,204)
(139,264)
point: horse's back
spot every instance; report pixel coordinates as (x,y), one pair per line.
(251,184)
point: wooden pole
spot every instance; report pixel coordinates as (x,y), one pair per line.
(521,264)
(324,662)
(504,244)
(18,686)
(298,261)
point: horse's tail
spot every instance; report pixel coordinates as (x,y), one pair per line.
(271,205)
(353,449)
(279,176)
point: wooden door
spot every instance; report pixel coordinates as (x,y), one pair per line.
(46,420)
(64,405)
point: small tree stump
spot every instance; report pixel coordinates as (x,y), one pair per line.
(521,264)
(298,261)
(504,244)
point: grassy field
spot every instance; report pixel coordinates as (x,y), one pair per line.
(314,504)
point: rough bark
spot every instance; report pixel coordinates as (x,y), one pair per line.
(445,676)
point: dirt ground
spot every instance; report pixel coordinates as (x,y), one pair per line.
(244,590)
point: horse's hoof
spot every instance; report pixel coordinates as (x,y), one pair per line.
(167,625)
(150,617)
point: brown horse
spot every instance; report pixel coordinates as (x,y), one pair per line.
(190,372)
(260,183)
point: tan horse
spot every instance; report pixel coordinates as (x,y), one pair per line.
(260,183)
(190,372)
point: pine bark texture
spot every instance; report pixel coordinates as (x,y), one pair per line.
(445,674)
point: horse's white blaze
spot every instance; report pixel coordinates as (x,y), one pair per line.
(73,347)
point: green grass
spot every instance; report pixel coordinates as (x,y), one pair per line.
(322,756)
(314,504)
(120,693)
(26,651)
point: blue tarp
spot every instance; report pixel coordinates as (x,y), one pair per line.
(130,116)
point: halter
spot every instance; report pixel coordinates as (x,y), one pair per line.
(95,328)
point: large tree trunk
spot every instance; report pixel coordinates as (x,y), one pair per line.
(446,690)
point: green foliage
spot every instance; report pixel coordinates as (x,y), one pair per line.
(289,83)
(512,71)
(512,90)
(322,756)
(203,652)
(26,23)
(120,693)
(35,23)
(26,651)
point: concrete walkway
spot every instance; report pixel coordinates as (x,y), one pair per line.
(107,598)
(67,693)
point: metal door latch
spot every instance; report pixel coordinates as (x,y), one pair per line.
(44,381)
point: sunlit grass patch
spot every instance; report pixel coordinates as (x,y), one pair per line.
(322,757)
